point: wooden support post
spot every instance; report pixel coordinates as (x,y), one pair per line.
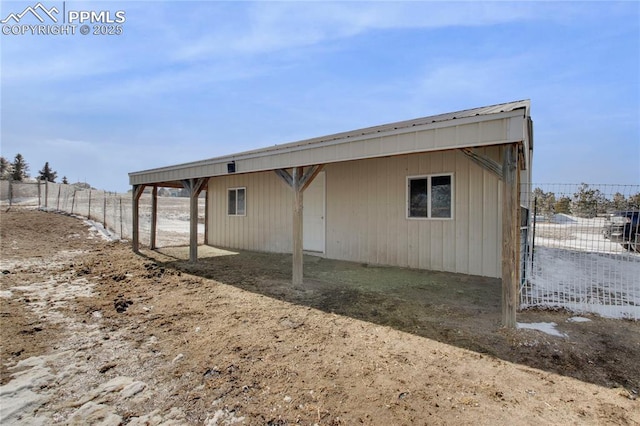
(298,182)
(58,202)
(135,219)
(510,235)
(154,217)
(206,217)
(89,213)
(193,230)
(297,226)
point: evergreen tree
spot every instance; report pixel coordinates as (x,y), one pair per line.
(64,180)
(563,205)
(587,202)
(545,203)
(6,168)
(619,202)
(47,174)
(20,168)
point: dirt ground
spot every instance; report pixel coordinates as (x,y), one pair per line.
(94,334)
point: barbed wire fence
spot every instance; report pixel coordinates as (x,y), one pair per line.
(584,249)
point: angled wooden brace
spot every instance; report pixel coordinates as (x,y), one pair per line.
(484,162)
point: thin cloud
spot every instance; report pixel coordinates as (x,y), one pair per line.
(269,27)
(200,79)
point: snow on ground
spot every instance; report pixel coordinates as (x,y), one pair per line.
(576,268)
(98,229)
(545,327)
(20,201)
(578,319)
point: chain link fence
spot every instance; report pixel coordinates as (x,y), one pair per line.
(583,249)
(110,212)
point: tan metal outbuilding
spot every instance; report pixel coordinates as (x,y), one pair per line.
(440,193)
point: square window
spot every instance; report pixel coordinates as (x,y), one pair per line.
(430,196)
(236,205)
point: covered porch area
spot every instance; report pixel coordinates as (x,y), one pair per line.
(488,148)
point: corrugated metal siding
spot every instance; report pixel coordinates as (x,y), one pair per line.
(267,225)
(366,217)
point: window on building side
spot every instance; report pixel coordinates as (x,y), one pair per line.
(430,196)
(237,202)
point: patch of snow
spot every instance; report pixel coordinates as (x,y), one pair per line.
(545,327)
(97,228)
(21,201)
(578,319)
(604,282)
(132,389)
(49,297)
(21,397)
(223,417)
(94,413)
(5,294)
(563,218)
(576,268)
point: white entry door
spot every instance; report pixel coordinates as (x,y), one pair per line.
(313,213)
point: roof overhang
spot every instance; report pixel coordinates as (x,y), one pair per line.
(485,126)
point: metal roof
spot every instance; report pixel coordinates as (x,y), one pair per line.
(204,168)
(474,112)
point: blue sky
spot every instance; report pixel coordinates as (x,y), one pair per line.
(193,80)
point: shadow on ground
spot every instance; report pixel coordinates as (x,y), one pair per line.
(455,309)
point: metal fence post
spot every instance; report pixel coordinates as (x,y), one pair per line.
(533,237)
(89,211)
(121,234)
(104,209)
